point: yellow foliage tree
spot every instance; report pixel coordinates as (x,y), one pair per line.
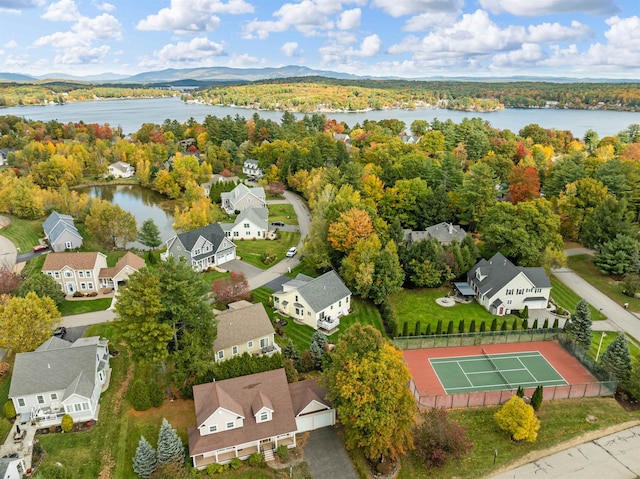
(518,419)
(352,226)
(201,213)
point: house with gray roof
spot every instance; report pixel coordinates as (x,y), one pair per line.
(12,468)
(121,169)
(60,378)
(251,168)
(252,223)
(444,232)
(242,197)
(202,248)
(317,302)
(61,232)
(244,328)
(4,155)
(502,287)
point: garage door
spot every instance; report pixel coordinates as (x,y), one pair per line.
(315,421)
(229,257)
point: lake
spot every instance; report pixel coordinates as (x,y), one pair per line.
(143,203)
(131,114)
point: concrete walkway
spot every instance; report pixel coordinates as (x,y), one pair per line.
(24,447)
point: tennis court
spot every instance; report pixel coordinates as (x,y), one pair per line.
(494,372)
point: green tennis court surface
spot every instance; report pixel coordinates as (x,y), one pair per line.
(493,372)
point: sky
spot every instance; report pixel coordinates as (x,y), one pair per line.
(401,38)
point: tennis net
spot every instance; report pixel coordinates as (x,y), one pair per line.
(495,368)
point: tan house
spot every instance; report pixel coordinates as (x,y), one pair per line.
(256,413)
(242,197)
(128,264)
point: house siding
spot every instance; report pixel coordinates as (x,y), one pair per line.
(67,237)
(244,348)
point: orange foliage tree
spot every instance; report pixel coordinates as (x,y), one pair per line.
(524,184)
(350,227)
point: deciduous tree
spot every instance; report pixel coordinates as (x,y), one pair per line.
(388,275)
(42,285)
(437,438)
(518,419)
(351,227)
(26,323)
(149,234)
(232,288)
(110,225)
(524,184)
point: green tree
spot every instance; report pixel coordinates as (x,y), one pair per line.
(318,348)
(42,285)
(26,323)
(388,275)
(170,447)
(367,382)
(633,383)
(579,325)
(138,395)
(437,438)
(609,219)
(149,234)
(617,359)
(110,225)
(291,351)
(619,256)
(476,195)
(536,398)
(67,423)
(144,461)
(518,419)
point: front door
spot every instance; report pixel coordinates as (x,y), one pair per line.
(71,288)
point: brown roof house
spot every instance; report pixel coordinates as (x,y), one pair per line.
(256,413)
(244,328)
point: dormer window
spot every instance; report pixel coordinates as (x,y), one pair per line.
(213,428)
(231,425)
(264,416)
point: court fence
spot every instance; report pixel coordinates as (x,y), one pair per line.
(605,386)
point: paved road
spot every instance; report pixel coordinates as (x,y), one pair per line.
(613,456)
(8,253)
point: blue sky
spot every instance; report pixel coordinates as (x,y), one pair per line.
(404,38)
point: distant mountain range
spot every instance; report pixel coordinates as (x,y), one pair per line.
(224,74)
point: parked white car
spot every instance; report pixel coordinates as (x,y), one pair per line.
(292,252)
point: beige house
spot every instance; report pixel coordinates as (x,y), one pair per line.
(128,264)
(244,328)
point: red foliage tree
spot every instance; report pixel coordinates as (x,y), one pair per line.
(524,184)
(9,281)
(230,289)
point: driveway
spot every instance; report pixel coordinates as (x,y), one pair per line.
(326,456)
(239,266)
(87,319)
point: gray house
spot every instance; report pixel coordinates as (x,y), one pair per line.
(242,197)
(61,232)
(251,223)
(251,168)
(444,232)
(203,247)
(60,377)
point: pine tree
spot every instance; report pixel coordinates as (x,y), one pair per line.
(514,325)
(546,323)
(520,392)
(170,447)
(291,351)
(579,325)
(556,323)
(144,461)
(505,326)
(483,327)
(428,329)
(405,329)
(536,398)
(450,327)
(525,324)
(617,359)
(317,348)
(461,326)
(472,326)
(149,234)
(535,324)
(494,324)
(439,327)
(417,330)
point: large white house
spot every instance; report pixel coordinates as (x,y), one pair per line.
(120,169)
(252,223)
(251,168)
(502,287)
(60,377)
(256,413)
(202,248)
(243,197)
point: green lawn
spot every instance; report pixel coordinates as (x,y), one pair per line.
(85,306)
(252,251)
(25,234)
(5,425)
(564,297)
(284,213)
(412,305)
(585,267)
(606,341)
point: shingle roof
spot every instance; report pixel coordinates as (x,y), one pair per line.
(322,291)
(239,326)
(76,261)
(120,165)
(243,390)
(53,219)
(129,259)
(212,233)
(303,392)
(56,224)
(259,216)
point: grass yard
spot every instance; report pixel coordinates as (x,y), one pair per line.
(585,267)
(25,234)
(412,305)
(253,251)
(607,339)
(5,382)
(564,297)
(68,308)
(284,213)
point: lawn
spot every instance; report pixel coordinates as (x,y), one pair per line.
(5,425)
(25,234)
(585,267)
(564,297)
(412,305)
(607,339)
(68,308)
(284,213)
(253,251)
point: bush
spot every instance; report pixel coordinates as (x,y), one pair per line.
(214,469)
(139,395)
(283,453)
(156,394)
(450,327)
(78,294)
(4,367)
(437,438)
(472,326)
(255,459)
(9,410)
(494,324)
(236,463)
(417,329)
(525,313)
(405,329)
(518,419)
(536,398)
(67,423)
(439,327)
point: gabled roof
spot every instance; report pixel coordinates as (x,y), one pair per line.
(243,391)
(212,233)
(75,261)
(261,401)
(241,190)
(120,165)
(258,216)
(304,392)
(443,232)
(53,219)
(238,326)
(322,291)
(71,368)
(56,224)
(251,163)
(129,259)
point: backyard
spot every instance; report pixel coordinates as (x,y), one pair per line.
(282,212)
(254,251)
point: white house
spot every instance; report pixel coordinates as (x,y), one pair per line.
(202,248)
(61,232)
(256,413)
(251,168)
(252,223)
(60,378)
(127,265)
(243,197)
(12,468)
(120,169)
(444,232)
(502,287)
(317,302)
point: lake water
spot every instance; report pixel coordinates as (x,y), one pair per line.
(143,203)
(131,114)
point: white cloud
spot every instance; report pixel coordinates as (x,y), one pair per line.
(12,61)
(62,11)
(528,54)
(239,61)
(20,4)
(81,56)
(103,26)
(527,8)
(187,16)
(105,7)
(554,32)
(336,53)
(199,50)
(289,49)
(429,21)
(10,44)
(399,8)
(349,19)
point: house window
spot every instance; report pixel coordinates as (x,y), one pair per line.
(264,416)
(520,291)
(234,350)
(57,274)
(509,292)
(196,252)
(264,342)
(235,233)
(296,298)
(509,301)
(213,428)
(68,244)
(85,406)
(321,315)
(87,274)
(248,233)
(220,354)
(40,399)
(83,285)
(228,233)
(54,396)
(68,274)
(77,407)
(230,425)
(21,402)
(247,225)
(250,344)
(90,285)
(80,274)
(340,304)
(259,234)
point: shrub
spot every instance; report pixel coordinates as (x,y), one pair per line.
(428,331)
(4,367)
(525,324)
(439,327)
(450,327)
(483,327)
(214,469)
(282,452)
(536,398)
(156,394)
(405,329)
(461,326)
(546,323)
(139,395)
(67,423)
(504,326)
(417,329)
(9,410)
(437,438)
(518,419)
(525,313)
(78,294)
(494,324)
(472,326)
(520,392)
(556,323)
(514,325)
(256,459)
(236,463)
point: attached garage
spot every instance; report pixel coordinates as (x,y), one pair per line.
(312,421)
(311,408)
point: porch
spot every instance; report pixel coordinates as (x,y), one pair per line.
(224,456)
(328,324)
(270,350)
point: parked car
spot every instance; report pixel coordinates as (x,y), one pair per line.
(292,252)
(277,223)
(40,247)
(60,332)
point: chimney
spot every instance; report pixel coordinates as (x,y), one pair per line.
(450,228)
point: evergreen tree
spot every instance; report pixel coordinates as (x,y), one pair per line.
(291,351)
(514,325)
(520,392)
(144,461)
(461,326)
(149,234)
(483,327)
(535,324)
(579,325)
(536,398)
(472,326)
(556,323)
(318,348)
(525,312)
(450,327)
(405,329)
(417,330)
(170,447)
(525,324)
(546,323)
(428,330)
(439,327)
(617,359)
(494,324)
(388,275)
